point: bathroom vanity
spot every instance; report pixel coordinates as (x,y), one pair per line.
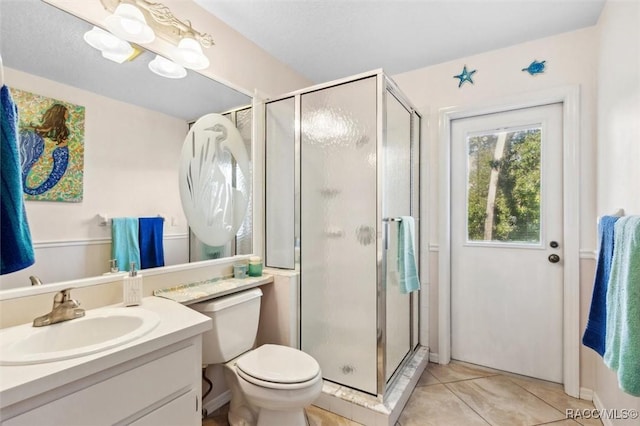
(152,380)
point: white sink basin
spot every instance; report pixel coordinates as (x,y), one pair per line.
(98,330)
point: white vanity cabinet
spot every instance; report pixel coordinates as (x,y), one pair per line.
(133,392)
(153,383)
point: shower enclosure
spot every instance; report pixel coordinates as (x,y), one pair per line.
(342,169)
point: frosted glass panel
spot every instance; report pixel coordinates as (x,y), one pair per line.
(280,182)
(338,215)
(244,237)
(396,201)
(243,242)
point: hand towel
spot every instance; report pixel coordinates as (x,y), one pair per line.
(595,333)
(407,268)
(622,352)
(151,242)
(16,249)
(124,242)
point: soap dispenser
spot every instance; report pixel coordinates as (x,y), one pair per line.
(132,287)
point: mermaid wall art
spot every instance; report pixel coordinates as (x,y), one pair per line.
(51,147)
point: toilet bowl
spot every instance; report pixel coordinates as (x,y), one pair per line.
(270,385)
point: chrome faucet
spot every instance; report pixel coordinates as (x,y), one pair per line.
(64,308)
(35,280)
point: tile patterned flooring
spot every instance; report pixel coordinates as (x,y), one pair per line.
(461,394)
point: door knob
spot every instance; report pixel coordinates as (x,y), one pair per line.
(554,258)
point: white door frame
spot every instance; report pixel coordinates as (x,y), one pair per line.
(569,96)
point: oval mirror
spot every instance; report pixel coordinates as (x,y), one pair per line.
(213,164)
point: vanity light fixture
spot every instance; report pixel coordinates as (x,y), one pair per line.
(112,47)
(128,22)
(139,21)
(189,54)
(166,68)
(162,21)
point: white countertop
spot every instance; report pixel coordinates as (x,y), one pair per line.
(177,322)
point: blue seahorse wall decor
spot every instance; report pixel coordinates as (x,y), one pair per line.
(31,149)
(535,67)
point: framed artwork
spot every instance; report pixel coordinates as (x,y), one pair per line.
(51,147)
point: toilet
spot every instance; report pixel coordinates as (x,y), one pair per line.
(270,385)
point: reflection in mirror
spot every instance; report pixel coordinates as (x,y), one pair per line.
(135,124)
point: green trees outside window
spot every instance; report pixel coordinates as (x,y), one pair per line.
(503,193)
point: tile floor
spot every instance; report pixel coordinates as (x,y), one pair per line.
(461,394)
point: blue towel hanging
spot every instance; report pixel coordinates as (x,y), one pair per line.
(596,331)
(151,242)
(16,249)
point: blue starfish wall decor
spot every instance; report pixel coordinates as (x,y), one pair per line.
(535,67)
(465,76)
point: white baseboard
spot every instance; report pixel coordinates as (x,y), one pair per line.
(433,357)
(599,406)
(217,402)
(586,394)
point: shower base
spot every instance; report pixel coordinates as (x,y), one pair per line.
(370,410)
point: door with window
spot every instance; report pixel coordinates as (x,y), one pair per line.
(506,241)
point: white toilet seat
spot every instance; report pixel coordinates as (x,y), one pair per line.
(275,385)
(278,367)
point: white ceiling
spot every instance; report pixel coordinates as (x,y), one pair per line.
(329,39)
(321,39)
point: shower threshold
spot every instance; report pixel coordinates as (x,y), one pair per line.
(372,410)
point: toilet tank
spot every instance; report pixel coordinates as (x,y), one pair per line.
(235,325)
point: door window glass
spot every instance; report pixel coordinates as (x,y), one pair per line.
(503,186)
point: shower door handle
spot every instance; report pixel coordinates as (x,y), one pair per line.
(385,234)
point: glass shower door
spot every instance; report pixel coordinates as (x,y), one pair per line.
(339,235)
(396,202)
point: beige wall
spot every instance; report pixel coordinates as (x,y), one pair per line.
(570,60)
(618,145)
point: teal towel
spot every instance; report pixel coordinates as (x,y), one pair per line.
(622,347)
(124,242)
(407,268)
(16,250)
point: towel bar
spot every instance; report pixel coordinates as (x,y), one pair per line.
(392,219)
(105,220)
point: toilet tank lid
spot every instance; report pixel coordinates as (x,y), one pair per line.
(279,364)
(218,304)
